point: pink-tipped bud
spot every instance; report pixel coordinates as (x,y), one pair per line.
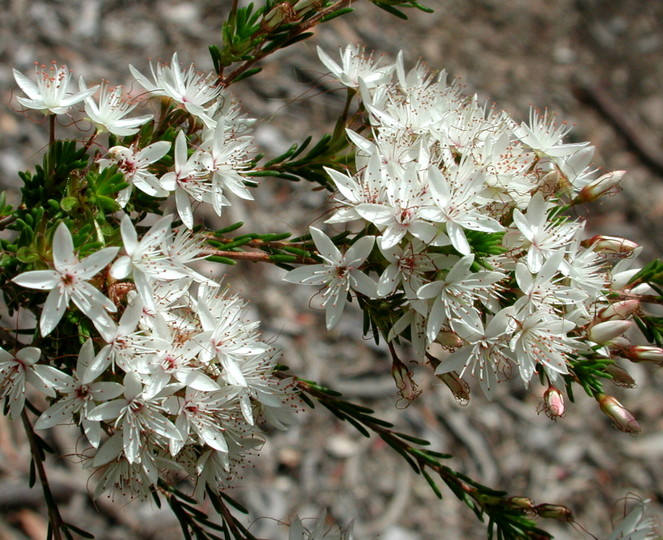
(610,244)
(553,403)
(600,186)
(644,353)
(620,376)
(459,388)
(619,310)
(620,416)
(603,332)
(554,511)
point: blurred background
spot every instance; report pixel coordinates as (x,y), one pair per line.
(597,64)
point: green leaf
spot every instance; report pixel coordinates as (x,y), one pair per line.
(68,203)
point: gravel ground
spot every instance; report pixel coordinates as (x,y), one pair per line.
(512,52)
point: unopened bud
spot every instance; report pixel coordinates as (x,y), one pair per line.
(404,379)
(553,403)
(520,503)
(644,353)
(449,339)
(620,416)
(603,332)
(619,310)
(610,244)
(600,186)
(554,511)
(620,376)
(276,16)
(306,5)
(459,388)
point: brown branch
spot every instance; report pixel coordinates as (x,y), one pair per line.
(253,256)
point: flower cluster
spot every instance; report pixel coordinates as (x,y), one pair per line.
(473,249)
(171,375)
(177,382)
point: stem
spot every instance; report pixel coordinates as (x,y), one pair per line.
(51,129)
(53,512)
(253,256)
(6,221)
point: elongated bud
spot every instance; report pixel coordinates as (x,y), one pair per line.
(644,353)
(603,332)
(619,310)
(459,388)
(276,16)
(553,403)
(306,5)
(554,511)
(610,244)
(600,186)
(520,503)
(407,387)
(620,416)
(449,339)
(620,376)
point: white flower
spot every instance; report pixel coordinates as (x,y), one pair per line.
(339,273)
(356,66)
(542,135)
(139,416)
(109,114)
(193,90)
(456,294)
(456,197)
(51,93)
(145,260)
(187,179)
(227,336)
(542,237)
(541,338)
(15,371)
(635,526)
(134,165)
(81,395)
(68,282)
(486,354)
(223,154)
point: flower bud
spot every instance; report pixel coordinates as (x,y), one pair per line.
(603,332)
(619,310)
(553,403)
(620,416)
(306,5)
(459,388)
(520,503)
(620,376)
(600,186)
(554,511)
(449,339)
(276,16)
(610,244)
(644,353)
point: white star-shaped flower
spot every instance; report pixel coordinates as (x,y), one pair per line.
(51,93)
(69,282)
(109,114)
(339,273)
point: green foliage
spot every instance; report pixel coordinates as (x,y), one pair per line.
(589,373)
(291,165)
